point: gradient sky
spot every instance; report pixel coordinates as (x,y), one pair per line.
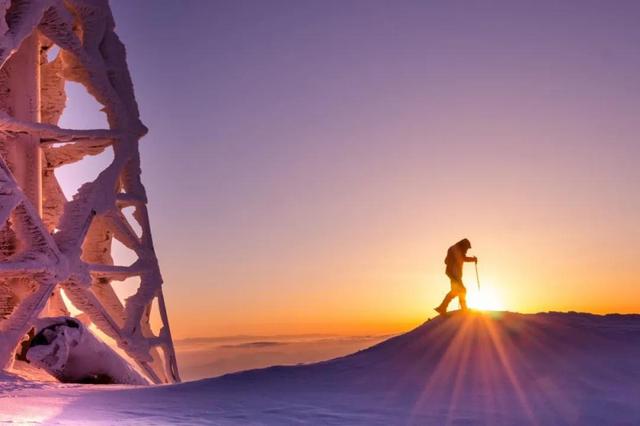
(309,163)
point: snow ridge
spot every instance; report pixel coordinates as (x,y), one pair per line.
(473,368)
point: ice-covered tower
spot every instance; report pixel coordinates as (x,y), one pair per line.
(55,252)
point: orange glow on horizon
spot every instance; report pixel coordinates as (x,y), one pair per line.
(485,299)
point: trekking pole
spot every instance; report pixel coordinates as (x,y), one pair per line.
(477,276)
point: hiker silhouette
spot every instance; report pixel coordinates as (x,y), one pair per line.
(456,256)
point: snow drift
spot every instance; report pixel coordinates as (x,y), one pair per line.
(474,368)
(71,353)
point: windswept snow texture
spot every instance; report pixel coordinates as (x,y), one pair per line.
(466,369)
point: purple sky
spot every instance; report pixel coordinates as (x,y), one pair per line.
(309,163)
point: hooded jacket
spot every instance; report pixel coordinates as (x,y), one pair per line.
(455,259)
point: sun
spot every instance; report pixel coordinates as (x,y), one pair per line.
(485,299)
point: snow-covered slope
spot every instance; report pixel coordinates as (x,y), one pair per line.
(462,369)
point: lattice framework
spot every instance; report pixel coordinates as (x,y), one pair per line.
(49,243)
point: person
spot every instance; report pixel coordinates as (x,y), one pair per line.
(456,256)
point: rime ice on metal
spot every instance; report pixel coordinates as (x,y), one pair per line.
(49,243)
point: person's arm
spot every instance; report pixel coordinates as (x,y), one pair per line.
(471,259)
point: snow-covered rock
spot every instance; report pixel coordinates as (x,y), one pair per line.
(70,352)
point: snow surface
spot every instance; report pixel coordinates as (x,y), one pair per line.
(476,368)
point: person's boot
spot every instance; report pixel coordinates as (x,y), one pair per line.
(441,310)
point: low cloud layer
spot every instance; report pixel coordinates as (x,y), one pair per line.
(209,357)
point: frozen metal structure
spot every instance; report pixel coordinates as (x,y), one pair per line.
(55,251)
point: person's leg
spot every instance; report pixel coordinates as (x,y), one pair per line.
(460,290)
(447,299)
(462,296)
